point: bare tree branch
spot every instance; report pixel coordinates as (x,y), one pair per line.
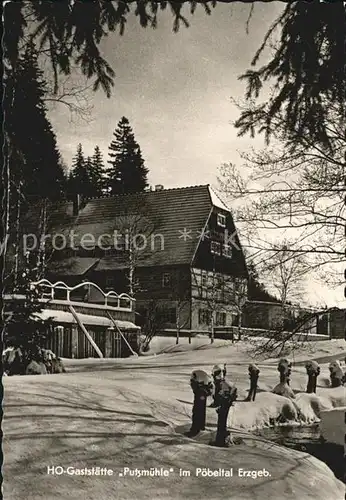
(75,96)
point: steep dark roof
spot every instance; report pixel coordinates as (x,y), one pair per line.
(170,211)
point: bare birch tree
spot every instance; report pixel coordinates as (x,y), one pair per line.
(295,193)
(222,294)
(181,323)
(285,271)
(134,240)
(73,94)
(181,297)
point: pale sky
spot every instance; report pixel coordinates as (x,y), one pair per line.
(175,90)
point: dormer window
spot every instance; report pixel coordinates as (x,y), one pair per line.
(227,251)
(215,247)
(221,220)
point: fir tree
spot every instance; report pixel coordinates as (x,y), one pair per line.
(79,179)
(305,72)
(86,177)
(24,329)
(97,171)
(127,173)
(304,68)
(90,188)
(71,186)
(35,159)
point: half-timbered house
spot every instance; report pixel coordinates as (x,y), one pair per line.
(175,247)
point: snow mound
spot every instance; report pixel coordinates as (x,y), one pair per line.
(309,406)
(165,345)
(270,409)
(336,395)
(284,390)
(324,382)
(294,474)
(264,412)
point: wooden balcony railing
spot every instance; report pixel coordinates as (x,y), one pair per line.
(83,293)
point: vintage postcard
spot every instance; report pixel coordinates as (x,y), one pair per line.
(173,250)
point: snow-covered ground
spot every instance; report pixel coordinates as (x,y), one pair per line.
(132,412)
(333,425)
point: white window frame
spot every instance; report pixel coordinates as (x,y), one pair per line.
(204,279)
(221,220)
(218,245)
(227,251)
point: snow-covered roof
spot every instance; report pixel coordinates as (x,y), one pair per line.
(216,201)
(126,325)
(171,211)
(86,319)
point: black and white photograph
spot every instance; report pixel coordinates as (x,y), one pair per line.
(173,243)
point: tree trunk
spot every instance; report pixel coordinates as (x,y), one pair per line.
(328,326)
(16,264)
(239,325)
(43,262)
(131,281)
(253,388)
(312,382)
(42,249)
(178,325)
(131,272)
(217,388)
(5,222)
(198,413)
(221,433)
(335,380)
(212,335)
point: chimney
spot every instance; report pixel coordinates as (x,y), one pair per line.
(76,204)
(159,187)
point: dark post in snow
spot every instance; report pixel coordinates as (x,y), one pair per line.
(254,375)
(285,368)
(226,397)
(218,375)
(336,374)
(313,371)
(202,387)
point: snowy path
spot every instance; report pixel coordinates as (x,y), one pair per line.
(125,413)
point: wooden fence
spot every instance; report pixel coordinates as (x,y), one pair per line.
(69,341)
